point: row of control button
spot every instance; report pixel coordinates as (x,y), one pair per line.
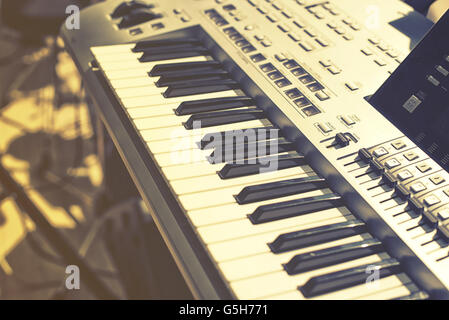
(302,102)
(216,17)
(307,79)
(429,193)
(264,10)
(239,40)
(387,51)
(274,74)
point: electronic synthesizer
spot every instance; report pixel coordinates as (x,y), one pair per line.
(256,132)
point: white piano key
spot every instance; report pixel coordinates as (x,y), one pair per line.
(412,223)
(278,282)
(164,121)
(241,248)
(432,247)
(160,122)
(131,61)
(140,91)
(244,228)
(356,166)
(189,170)
(120,56)
(416,232)
(172,133)
(127,75)
(259,264)
(126,64)
(402,218)
(141,81)
(171,159)
(154,100)
(226,206)
(177,141)
(384,196)
(153,111)
(210,182)
(397,210)
(112,49)
(427,236)
(392,285)
(439,254)
(192,156)
(116,72)
(224,196)
(179,156)
(366,178)
(368,291)
(374,184)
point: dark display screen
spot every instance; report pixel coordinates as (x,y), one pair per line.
(415,97)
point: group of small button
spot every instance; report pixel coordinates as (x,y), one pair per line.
(422,185)
(389,52)
(284,27)
(304,77)
(180,13)
(341,27)
(216,17)
(239,40)
(275,75)
(281,81)
(233,12)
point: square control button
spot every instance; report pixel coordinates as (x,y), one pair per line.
(437,179)
(310,111)
(423,167)
(417,187)
(410,156)
(293,93)
(431,200)
(392,163)
(404,175)
(443,214)
(379,152)
(398,145)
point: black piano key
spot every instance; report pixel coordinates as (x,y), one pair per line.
(279,189)
(173,55)
(245,151)
(306,238)
(230,171)
(332,256)
(208,141)
(282,210)
(142,45)
(348,278)
(200,87)
(419,295)
(215,104)
(211,119)
(194,75)
(175,68)
(138,16)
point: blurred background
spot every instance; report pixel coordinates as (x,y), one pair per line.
(52,146)
(55,148)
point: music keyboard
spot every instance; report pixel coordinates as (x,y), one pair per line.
(281,213)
